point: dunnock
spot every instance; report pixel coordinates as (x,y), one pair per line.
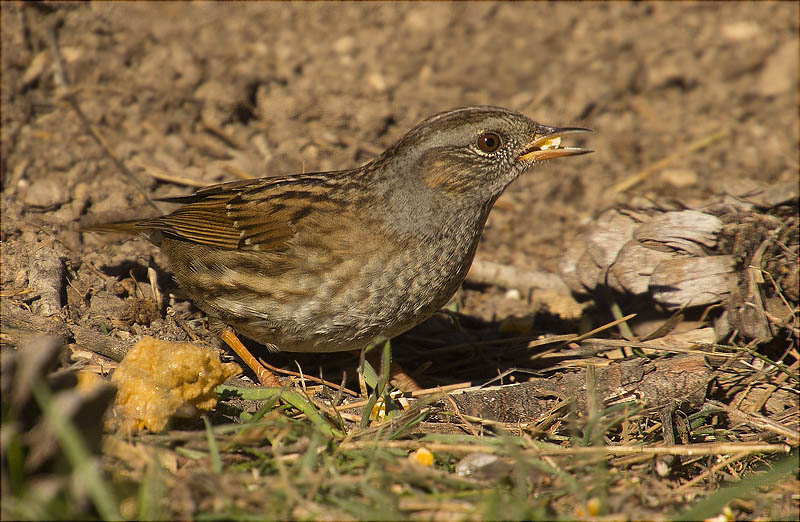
(326,262)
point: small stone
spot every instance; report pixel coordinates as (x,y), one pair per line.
(679,178)
(71,54)
(114,202)
(344,44)
(780,72)
(740,31)
(516,325)
(35,68)
(81,191)
(483,466)
(106,304)
(47,193)
(377,81)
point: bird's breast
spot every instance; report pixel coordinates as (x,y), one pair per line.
(332,291)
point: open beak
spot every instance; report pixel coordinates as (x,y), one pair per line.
(547,144)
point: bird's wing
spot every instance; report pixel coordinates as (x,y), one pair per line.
(253,215)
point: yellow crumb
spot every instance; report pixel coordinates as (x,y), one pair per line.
(87,381)
(552,143)
(421,456)
(158,379)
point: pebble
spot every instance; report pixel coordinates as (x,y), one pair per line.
(780,72)
(741,31)
(679,178)
(344,44)
(47,193)
(483,466)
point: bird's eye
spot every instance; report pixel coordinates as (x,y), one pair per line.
(489,142)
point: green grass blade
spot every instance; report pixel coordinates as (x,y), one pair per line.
(713,504)
(216,461)
(77,454)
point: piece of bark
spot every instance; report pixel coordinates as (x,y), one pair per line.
(635,264)
(739,250)
(46,278)
(610,233)
(771,196)
(104,344)
(683,339)
(589,273)
(692,281)
(687,231)
(19,326)
(568,265)
(659,383)
(507,276)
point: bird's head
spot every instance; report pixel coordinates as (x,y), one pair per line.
(475,152)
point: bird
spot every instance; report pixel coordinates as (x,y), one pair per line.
(330,261)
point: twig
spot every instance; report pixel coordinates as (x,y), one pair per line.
(587,335)
(758,421)
(663,162)
(624,329)
(722,448)
(239,173)
(755,277)
(163,175)
(507,276)
(229,139)
(416,393)
(463,419)
(718,466)
(153,278)
(438,389)
(622,343)
(685,450)
(509,340)
(335,386)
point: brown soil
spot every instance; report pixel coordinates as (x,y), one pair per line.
(211,91)
(205,92)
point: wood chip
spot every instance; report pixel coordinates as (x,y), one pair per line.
(693,281)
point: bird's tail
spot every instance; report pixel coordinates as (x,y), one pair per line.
(116,227)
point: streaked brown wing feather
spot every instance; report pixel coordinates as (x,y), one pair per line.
(227,190)
(251,215)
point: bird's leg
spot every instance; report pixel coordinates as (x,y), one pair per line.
(397,376)
(265,377)
(402,380)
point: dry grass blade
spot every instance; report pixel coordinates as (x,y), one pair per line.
(582,337)
(692,147)
(162,175)
(684,450)
(759,421)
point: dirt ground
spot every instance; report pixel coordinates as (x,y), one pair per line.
(206,91)
(211,92)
